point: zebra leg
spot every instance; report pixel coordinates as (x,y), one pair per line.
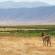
(50,42)
(47,43)
(44,43)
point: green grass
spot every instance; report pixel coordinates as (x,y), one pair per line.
(14,30)
(29,33)
(30,27)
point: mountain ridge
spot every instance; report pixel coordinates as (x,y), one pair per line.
(27,16)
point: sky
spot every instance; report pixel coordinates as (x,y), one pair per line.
(47,1)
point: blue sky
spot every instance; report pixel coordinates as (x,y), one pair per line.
(47,1)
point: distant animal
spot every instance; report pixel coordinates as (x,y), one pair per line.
(46,40)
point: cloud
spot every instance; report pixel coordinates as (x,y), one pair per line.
(47,1)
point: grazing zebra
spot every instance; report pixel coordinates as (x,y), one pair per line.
(46,40)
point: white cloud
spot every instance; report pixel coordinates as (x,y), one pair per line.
(47,1)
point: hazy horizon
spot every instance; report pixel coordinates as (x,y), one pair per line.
(20,12)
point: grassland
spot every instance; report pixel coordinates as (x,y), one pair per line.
(26,40)
(30,30)
(12,45)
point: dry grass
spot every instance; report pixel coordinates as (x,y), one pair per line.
(24,46)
